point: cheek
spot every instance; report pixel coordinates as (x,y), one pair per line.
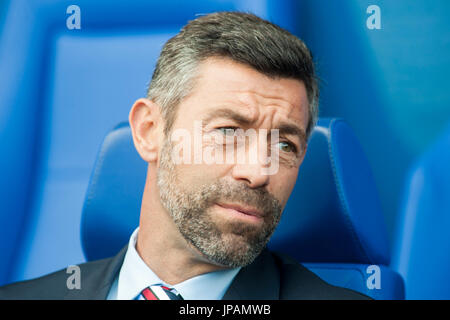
(199,174)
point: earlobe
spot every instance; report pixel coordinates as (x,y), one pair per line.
(144,119)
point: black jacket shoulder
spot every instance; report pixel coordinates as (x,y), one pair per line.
(271,276)
(95,280)
(49,287)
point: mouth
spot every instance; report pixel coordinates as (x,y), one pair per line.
(242,210)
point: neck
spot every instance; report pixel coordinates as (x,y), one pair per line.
(162,247)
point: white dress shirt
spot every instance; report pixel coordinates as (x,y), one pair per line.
(135,275)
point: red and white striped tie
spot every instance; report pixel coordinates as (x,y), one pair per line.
(159,293)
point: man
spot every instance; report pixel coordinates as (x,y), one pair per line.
(204,226)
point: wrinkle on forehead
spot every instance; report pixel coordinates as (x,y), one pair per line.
(222,80)
(254,102)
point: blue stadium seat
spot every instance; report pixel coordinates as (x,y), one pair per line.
(61,90)
(332,222)
(422,245)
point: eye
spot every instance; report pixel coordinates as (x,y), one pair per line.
(227,131)
(287,146)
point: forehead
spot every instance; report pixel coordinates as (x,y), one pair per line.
(223,82)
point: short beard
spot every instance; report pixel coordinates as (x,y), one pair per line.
(230,245)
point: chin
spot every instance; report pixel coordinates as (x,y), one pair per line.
(237,251)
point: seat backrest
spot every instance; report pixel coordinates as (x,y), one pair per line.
(332,222)
(422,245)
(113,200)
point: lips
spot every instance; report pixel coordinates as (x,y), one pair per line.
(243,209)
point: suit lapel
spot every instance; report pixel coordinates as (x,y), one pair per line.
(97,278)
(258,281)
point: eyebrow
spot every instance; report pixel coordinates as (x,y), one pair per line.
(284,128)
(227,114)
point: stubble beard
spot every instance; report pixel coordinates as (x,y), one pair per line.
(224,243)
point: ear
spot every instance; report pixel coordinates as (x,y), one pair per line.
(146,126)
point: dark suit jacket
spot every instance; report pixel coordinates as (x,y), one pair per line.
(270,277)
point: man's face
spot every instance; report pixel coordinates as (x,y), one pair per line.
(228,211)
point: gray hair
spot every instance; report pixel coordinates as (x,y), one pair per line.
(242,37)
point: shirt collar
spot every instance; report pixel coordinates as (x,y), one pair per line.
(135,276)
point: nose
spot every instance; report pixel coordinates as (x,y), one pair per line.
(251,170)
(252,174)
